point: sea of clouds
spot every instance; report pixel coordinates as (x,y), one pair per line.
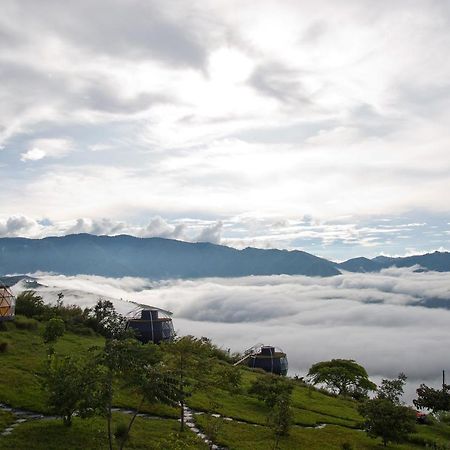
(377,319)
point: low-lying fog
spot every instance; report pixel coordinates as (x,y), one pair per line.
(376,319)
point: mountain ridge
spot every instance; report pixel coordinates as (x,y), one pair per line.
(156,257)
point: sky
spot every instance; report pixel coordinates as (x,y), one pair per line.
(320,126)
(377,319)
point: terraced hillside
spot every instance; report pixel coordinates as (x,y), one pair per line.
(226,418)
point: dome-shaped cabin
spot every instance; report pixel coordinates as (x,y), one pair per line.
(7,303)
(267,358)
(151,324)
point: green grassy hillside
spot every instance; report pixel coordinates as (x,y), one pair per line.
(234,419)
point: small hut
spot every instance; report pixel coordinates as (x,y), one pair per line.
(151,324)
(7,303)
(266,357)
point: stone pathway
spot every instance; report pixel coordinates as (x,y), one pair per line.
(21,416)
(190,423)
(24,416)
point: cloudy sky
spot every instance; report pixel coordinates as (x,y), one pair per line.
(293,124)
(380,319)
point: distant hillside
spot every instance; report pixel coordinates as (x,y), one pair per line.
(157,258)
(437,261)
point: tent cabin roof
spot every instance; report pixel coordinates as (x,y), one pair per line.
(7,303)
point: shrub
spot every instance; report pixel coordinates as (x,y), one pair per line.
(347,446)
(81,330)
(30,304)
(24,323)
(4,346)
(54,329)
(121,432)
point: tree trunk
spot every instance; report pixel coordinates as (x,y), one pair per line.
(182,394)
(122,444)
(109,412)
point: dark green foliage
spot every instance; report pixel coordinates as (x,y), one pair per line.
(384,419)
(53,330)
(102,319)
(433,399)
(280,417)
(138,366)
(392,390)
(385,416)
(270,388)
(30,304)
(347,446)
(190,360)
(343,376)
(4,346)
(105,320)
(228,377)
(121,432)
(24,323)
(72,385)
(276,393)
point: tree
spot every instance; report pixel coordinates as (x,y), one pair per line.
(269,388)
(392,390)
(343,376)
(434,399)
(30,304)
(138,366)
(190,359)
(53,330)
(72,385)
(104,319)
(276,393)
(384,419)
(280,418)
(385,416)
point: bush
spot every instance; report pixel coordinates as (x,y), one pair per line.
(4,346)
(30,304)
(54,329)
(121,432)
(347,446)
(81,330)
(24,323)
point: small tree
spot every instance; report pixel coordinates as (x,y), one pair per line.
(138,366)
(59,301)
(270,388)
(105,320)
(190,359)
(72,385)
(276,393)
(384,419)
(434,399)
(280,418)
(30,304)
(343,376)
(53,330)
(385,416)
(392,390)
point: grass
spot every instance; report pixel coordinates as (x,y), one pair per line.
(238,436)
(310,407)
(91,434)
(6,419)
(24,359)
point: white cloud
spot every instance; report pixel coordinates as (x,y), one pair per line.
(191,111)
(42,148)
(373,318)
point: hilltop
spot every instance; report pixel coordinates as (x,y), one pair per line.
(320,421)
